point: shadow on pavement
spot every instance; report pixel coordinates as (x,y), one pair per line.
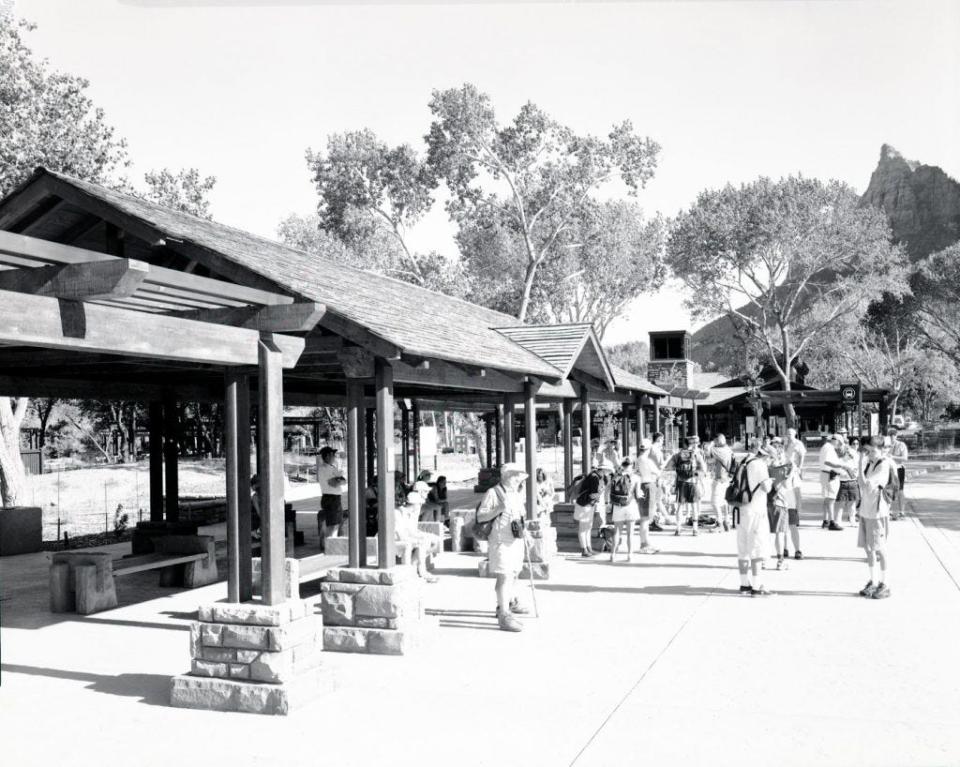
(687,591)
(152,689)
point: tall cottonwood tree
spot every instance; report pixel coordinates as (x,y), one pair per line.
(46,118)
(936,287)
(785,261)
(525,181)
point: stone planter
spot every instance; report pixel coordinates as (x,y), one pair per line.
(21,530)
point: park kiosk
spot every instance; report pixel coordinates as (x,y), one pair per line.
(108,295)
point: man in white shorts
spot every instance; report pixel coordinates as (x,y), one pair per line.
(899,455)
(753,532)
(830,471)
(722,457)
(796,453)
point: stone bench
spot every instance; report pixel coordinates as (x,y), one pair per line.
(339,545)
(83,582)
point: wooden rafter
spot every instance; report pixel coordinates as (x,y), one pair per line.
(297,317)
(117,278)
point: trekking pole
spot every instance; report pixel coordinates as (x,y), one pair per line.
(533,591)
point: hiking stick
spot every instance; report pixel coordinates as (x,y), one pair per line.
(533,591)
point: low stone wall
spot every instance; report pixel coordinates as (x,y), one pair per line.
(263,659)
(372,611)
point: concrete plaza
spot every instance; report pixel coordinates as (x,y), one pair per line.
(660,662)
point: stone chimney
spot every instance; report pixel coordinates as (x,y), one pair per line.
(670,365)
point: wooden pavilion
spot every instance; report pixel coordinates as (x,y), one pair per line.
(107,295)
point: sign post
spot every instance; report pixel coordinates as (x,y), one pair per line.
(851,398)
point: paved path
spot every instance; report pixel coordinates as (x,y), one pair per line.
(657,662)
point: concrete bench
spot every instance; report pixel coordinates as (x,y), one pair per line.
(83,582)
(339,545)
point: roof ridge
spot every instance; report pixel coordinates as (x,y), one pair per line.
(277,243)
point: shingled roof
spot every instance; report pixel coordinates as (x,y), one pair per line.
(418,321)
(565,347)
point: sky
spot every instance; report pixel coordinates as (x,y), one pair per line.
(730,90)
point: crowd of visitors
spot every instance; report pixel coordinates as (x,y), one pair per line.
(759,495)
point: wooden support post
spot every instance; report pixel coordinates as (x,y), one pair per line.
(884,415)
(509,438)
(386,546)
(156,461)
(656,415)
(416,438)
(405,441)
(231,384)
(585,430)
(270,448)
(567,428)
(488,426)
(530,445)
(498,427)
(625,429)
(640,423)
(244,517)
(370,447)
(355,495)
(695,422)
(171,454)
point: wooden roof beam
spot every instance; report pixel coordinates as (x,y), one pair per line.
(116,278)
(52,323)
(299,317)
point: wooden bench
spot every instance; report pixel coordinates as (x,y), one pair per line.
(83,582)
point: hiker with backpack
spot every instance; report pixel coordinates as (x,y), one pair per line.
(831,470)
(625,496)
(591,500)
(747,496)
(689,466)
(778,499)
(721,455)
(499,521)
(879,485)
(648,473)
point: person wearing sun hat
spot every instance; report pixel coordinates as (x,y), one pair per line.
(831,469)
(591,500)
(648,473)
(504,504)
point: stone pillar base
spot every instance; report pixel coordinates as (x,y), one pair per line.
(256,658)
(373,611)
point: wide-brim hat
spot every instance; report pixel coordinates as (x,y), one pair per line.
(606,465)
(513,469)
(645,444)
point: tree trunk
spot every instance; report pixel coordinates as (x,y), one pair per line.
(528,278)
(13,476)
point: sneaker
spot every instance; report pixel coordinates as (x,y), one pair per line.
(517,609)
(760,591)
(779,563)
(882,591)
(746,590)
(786,554)
(798,555)
(585,553)
(648,550)
(655,528)
(676,532)
(834,526)
(867,591)
(825,524)
(508,622)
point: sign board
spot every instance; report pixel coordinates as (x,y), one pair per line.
(850,394)
(428,441)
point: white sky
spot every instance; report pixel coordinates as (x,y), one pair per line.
(730,90)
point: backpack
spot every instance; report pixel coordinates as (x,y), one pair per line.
(891,490)
(685,467)
(482,530)
(738,491)
(620,489)
(573,491)
(583,497)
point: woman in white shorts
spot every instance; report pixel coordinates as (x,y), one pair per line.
(625,514)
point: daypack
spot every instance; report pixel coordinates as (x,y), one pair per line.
(685,467)
(583,497)
(891,490)
(573,491)
(482,530)
(620,489)
(739,490)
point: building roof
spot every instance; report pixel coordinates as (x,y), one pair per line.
(719,396)
(568,346)
(416,320)
(627,380)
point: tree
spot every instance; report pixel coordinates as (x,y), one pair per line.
(184,190)
(785,261)
(632,356)
(611,256)
(46,118)
(371,192)
(933,387)
(936,286)
(526,181)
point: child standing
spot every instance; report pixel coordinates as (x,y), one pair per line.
(877,480)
